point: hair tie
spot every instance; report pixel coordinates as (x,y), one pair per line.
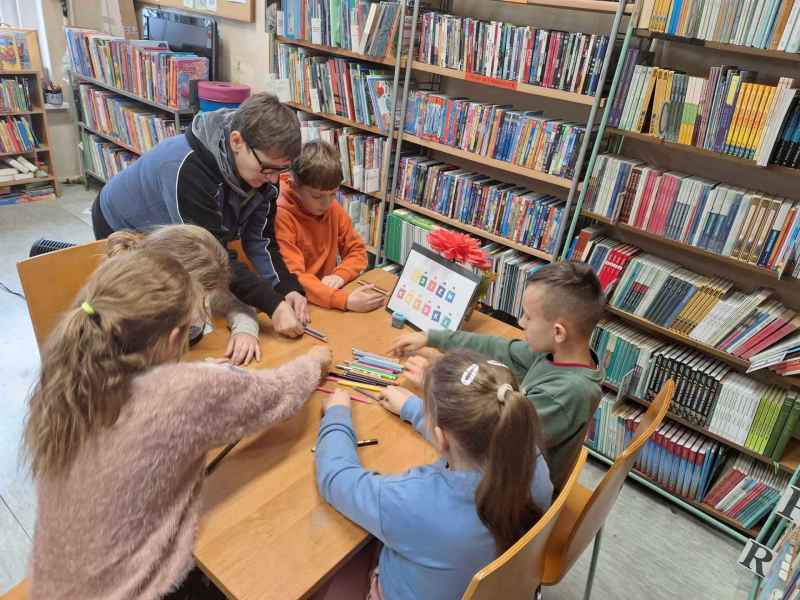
(469,374)
(87,308)
(502,391)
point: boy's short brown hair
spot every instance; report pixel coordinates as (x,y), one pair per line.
(268,125)
(573,293)
(318,166)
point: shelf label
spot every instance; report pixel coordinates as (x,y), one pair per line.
(316,31)
(756,558)
(501,83)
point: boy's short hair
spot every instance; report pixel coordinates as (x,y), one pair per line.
(268,125)
(573,293)
(318,166)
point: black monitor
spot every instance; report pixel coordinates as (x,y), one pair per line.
(184,33)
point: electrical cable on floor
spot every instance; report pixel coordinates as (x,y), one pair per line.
(10,291)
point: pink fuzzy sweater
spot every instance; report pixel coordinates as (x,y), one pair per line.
(121,523)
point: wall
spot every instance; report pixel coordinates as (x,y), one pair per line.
(61,123)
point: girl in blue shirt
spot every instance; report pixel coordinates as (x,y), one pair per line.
(441,523)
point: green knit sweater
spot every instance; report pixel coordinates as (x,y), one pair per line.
(565,396)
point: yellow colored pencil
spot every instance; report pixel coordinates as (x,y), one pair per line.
(356,384)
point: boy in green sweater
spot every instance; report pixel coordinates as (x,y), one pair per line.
(558,371)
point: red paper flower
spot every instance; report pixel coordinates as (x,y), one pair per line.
(459,247)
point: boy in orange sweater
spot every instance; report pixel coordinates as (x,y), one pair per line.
(313,230)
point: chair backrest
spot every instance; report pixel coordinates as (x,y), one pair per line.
(517,573)
(51,281)
(596,510)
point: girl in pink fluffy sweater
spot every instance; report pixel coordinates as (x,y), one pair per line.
(118,432)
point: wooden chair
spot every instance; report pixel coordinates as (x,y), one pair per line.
(585,512)
(51,281)
(517,573)
(18,592)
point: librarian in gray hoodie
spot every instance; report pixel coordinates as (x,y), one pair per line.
(221,174)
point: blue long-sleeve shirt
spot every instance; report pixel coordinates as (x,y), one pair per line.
(433,539)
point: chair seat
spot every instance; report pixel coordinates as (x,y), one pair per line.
(554,569)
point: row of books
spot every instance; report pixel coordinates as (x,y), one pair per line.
(524,138)
(746,325)
(512,270)
(785,149)
(27,193)
(104,158)
(746,491)
(749,226)
(123,119)
(19,168)
(708,393)
(17,134)
(766,24)
(362,155)
(563,60)
(404,229)
(364,212)
(368,28)
(514,212)
(337,86)
(682,461)
(726,112)
(145,68)
(16,94)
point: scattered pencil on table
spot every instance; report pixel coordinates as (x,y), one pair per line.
(315,334)
(354,384)
(353,397)
(369,395)
(374,287)
(359,443)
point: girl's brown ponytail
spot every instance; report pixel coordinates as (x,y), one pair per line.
(118,326)
(478,403)
(504,497)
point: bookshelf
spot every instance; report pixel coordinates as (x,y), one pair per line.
(733,48)
(403,66)
(744,275)
(702,152)
(171,113)
(32,79)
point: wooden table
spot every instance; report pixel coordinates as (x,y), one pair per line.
(266,533)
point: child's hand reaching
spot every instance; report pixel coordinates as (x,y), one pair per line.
(409,343)
(340,397)
(414,369)
(333,281)
(393,398)
(324,356)
(243,348)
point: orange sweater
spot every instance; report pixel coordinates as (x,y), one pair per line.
(310,245)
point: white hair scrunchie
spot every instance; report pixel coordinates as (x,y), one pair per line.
(502,391)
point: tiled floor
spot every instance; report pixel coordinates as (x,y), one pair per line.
(651,549)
